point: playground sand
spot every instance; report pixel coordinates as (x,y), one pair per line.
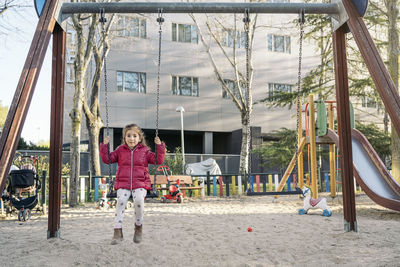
(209,232)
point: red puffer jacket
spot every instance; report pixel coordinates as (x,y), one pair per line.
(133,171)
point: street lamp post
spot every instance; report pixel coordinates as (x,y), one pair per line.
(181,110)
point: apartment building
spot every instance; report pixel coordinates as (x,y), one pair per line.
(212,123)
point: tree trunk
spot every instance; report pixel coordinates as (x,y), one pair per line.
(87,45)
(395,155)
(393,40)
(83,55)
(386,122)
(76,117)
(93,119)
(244,152)
(94,161)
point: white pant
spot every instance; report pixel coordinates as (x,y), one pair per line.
(123,196)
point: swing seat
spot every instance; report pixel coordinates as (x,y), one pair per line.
(150,194)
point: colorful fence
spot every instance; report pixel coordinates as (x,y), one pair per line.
(91,188)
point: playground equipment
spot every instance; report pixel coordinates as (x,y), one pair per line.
(316,133)
(174,194)
(371,173)
(312,138)
(312,203)
(369,170)
(345,15)
(318,128)
(153,192)
(300,140)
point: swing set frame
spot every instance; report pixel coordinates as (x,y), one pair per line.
(344,13)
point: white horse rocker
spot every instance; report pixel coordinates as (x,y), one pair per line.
(312,203)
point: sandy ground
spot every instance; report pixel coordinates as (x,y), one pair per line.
(209,232)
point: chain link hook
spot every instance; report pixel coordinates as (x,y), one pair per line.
(302,17)
(102,18)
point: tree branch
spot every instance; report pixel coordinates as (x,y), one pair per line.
(216,70)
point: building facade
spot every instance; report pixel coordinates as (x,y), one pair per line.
(212,123)
(188,79)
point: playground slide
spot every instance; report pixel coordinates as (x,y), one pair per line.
(370,172)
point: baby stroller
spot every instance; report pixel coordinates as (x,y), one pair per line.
(23,188)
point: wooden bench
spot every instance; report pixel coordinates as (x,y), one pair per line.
(186,182)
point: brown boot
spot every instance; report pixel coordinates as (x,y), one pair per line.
(137,237)
(118,236)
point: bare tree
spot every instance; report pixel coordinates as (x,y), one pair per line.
(89,46)
(215,27)
(12,8)
(92,108)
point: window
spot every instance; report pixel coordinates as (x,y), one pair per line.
(276,88)
(233,87)
(69,74)
(277,43)
(228,36)
(368,102)
(131,82)
(187,86)
(184,33)
(72,36)
(131,27)
(70,57)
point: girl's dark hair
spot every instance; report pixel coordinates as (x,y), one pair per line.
(137,129)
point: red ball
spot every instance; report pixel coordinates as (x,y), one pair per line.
(249,229)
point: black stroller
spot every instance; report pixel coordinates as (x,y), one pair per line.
(23,188)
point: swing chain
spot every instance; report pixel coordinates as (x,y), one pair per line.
(246,21)
(103,20)
(160,20)
(298,105)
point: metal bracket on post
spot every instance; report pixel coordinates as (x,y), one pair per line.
(339,19)
(56,234)
(60,17)
(347,227)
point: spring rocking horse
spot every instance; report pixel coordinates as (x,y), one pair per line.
(312,203)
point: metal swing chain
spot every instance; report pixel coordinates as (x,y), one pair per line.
(103,20)
(160,20)
(298,106)
(246,21)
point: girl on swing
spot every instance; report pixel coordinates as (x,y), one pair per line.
(133,157)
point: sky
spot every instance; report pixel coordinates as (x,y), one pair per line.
(14,47)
